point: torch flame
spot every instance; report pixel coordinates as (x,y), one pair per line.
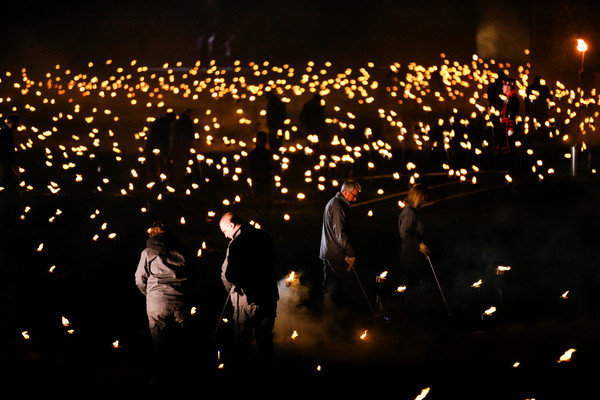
(566,357)
(423,394)
(581,45)
(291,279)
(490,310)
(364,335)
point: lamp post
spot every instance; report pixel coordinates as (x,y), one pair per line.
(582,48)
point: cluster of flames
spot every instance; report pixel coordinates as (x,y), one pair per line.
(150,92)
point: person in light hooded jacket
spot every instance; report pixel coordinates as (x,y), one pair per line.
(161,276)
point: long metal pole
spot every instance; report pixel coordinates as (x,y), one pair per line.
(222,312)
(363,290)
(438,284)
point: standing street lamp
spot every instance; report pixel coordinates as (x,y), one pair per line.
(582,48)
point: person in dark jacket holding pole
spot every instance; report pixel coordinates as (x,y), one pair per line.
(413,251)
(414,271)
(337,250)
(248,274)
(161,276)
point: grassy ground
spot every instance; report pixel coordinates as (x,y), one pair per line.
(544,231)
(59,260)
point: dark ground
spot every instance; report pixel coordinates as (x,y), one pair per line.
(545,231)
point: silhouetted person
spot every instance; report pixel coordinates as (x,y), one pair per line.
(536,103)
(261,169)
(414,270)
(228,49)
(312,116)
(9,171)
(248,274)
(506,133)
(276,116)
(413,249)
(210,45)
(182,138)
(494,92)
(157,145)
(337,252)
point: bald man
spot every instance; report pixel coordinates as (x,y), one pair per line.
(248,274)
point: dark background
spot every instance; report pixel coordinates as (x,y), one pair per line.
(546,232)
(291,31)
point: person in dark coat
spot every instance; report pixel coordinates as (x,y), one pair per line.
(337,250)
(9,181)
(312,117)
(248,274)
(413,249)
(537,106)
(276,116)
(494,92)
(157,145)
(162,275)
(181,140)
(506,135)
(261,169)
(418,300)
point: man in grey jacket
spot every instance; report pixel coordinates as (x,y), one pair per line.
(337,248)
(161,276)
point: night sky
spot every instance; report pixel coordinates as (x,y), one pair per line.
(288,31)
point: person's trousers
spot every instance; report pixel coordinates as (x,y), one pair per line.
(258,320)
